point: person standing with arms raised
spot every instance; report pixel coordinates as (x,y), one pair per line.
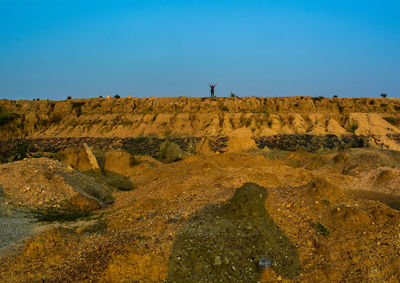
(212,89)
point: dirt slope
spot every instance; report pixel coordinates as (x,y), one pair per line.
(155,231)
(132,117)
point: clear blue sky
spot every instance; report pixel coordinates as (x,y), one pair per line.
(83,48)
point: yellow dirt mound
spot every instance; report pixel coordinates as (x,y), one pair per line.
(320,189)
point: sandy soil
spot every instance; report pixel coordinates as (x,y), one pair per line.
(188,217)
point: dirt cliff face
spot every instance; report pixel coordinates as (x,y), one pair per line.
(199,117)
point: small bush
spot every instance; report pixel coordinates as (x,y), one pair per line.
(69,97)
(319,98)
(383,95)
(325,201)
(335,96)
(6,117)
(353,126)
(133,161)
(321,229)
(248,122)
(308,123)
(54,119)
(77,106)
(372,102)
(269,123)
(225,108)
(100,96)
(117,96)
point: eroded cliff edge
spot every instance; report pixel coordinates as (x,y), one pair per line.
(255,117)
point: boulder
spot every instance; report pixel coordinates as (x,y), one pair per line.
(170,152)
(81,159)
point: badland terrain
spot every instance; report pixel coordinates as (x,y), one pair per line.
(252,189)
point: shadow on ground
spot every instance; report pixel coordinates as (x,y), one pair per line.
(113,179)
(224,243)
(118,181)
(390,200)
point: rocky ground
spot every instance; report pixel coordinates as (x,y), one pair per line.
(213,217)
(253,189)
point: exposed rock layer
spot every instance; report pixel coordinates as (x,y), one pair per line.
(264,116)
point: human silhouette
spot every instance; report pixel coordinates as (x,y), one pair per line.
(212,89)
(225,242)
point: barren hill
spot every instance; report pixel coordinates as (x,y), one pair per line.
(132,117)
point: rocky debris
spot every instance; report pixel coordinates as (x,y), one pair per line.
(356,161)
(345,239)
(15,149)
(382,184)
(151,146)
(44,182)
(294,142)
(394,137)
(218,143)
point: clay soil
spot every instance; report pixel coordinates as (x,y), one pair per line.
(212,218)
